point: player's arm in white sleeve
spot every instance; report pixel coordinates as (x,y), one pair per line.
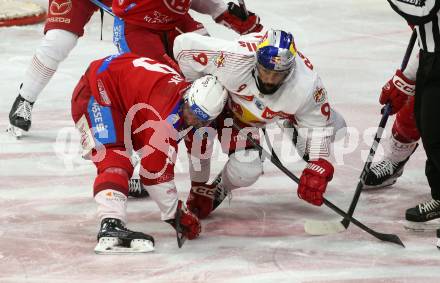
(194,53)
(317,119)
(411,69)
(214,8)
(317,123)
(199,55)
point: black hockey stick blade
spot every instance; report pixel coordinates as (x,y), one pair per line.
(179,229)
(392,238)
(275,161)
(180,239)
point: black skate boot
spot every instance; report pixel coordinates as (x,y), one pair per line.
(136,190)
(114,237)
(384,174)
(420,217)
(20,116)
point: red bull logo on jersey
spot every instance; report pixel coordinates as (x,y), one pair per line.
(219,61)
(320,95)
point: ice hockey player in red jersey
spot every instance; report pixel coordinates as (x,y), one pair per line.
(64,25)
(399,91)
(267,80)
(124,103)
(149,27)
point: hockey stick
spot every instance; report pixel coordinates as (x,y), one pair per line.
(383,121)
(243,8)
(104,7)
(179,229)
(330,227)
(275,161)
(314,227)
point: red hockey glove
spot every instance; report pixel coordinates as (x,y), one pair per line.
(189,223)
(235,19)
(396,91)
(201,199)
(313,181)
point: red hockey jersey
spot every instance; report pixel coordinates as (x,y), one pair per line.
(121,81)
(147,95)
(152,14)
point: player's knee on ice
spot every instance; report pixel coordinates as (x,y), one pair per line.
(242,169)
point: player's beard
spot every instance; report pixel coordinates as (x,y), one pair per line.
(266,89)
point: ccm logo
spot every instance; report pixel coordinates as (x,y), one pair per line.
(204,192)
(404,86)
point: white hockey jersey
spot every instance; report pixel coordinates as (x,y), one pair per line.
(302,98)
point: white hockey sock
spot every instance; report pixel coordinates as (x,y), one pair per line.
(165,196)
(397,151)
(53,49)
(112,204)
(199,169)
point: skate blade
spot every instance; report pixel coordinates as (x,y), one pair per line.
(14,131)
(428,226)
(318,228)
(384,185)
(111,245)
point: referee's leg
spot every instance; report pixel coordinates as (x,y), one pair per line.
(428,108)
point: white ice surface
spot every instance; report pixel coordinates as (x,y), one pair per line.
(48,224)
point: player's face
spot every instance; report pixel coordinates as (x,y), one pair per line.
(269,80)
(191,119)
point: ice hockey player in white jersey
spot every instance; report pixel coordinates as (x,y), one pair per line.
(267,80)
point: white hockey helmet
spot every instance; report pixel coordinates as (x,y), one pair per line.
(206,98)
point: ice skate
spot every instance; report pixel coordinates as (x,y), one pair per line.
(384,174)
(423,217)
(20,117)
(115,238)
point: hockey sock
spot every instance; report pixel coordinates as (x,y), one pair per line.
(54,48)
(110,191)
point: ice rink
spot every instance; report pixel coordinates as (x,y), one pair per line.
(48,221)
